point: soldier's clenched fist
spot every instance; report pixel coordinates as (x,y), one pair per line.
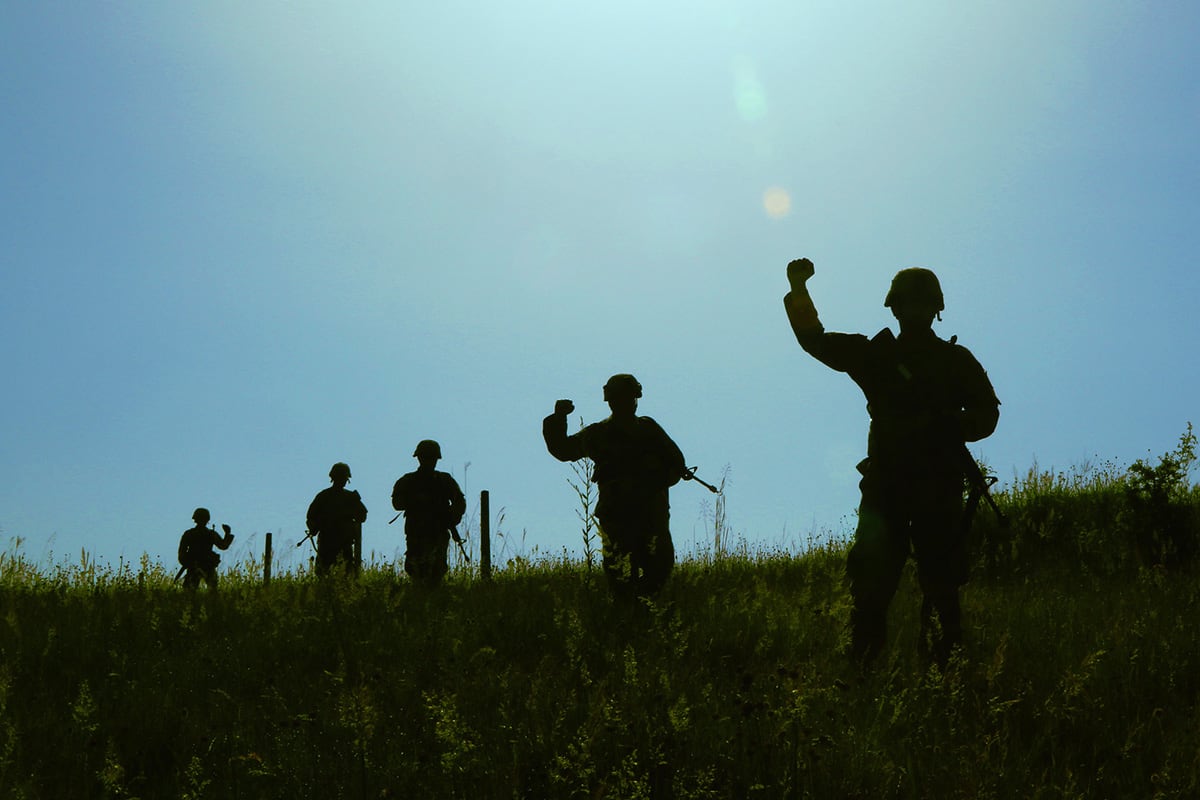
(798,272)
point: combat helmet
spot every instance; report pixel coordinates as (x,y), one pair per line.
(428,447)
(622,385)
(340,470)
(916,283)
(201,516)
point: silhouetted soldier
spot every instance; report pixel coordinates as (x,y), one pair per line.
(196,556)
(636,463)
(926,398)
(433,505)
(335,518)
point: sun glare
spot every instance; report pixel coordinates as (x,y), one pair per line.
(777,202)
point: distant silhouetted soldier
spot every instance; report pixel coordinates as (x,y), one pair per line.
(433,505)
(335,518)
(196,556)
(926,398)
(635,464)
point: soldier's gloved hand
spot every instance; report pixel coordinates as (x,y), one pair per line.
(563,407)
(798,273)
(226,528)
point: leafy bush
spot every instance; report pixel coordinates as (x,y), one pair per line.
(1099,520)
(1162,507)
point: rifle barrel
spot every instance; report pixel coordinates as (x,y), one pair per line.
(982,483)
(691,475)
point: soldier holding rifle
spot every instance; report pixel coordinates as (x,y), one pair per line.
(926,397)
(433,504)
(335,518)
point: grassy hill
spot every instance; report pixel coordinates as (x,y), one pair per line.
(1079,678)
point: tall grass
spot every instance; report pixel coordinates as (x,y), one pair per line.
(1098,519)
(1079,677)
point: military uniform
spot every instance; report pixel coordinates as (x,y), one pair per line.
(636,463)
(196,554)
(926,397)
(335,517)
(433,504)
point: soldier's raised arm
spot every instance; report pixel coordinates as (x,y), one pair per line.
(554,432)
(844,352)
(800,309)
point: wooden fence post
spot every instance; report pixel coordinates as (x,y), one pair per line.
(485,537)
(357,548)
(267,561)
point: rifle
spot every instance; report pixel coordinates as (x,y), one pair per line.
(178,575)
(459,541)
(453,535)
(689,474)
(307,538)
(980,490)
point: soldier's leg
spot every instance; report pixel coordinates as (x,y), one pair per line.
(438,566)
(326,552)
(650,563)
(655,552)
(420,570)
(618,571)
(616,556)
(941,624)
(413,551)
(940,551)
(873,567)
(337,553)
(425,558)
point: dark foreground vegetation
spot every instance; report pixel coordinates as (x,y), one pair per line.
(1080,677)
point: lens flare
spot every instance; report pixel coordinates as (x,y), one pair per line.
(749,96)
(777,202)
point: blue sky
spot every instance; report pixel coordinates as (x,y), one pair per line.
(242,241)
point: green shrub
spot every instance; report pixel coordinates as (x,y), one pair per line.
(1096,520)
